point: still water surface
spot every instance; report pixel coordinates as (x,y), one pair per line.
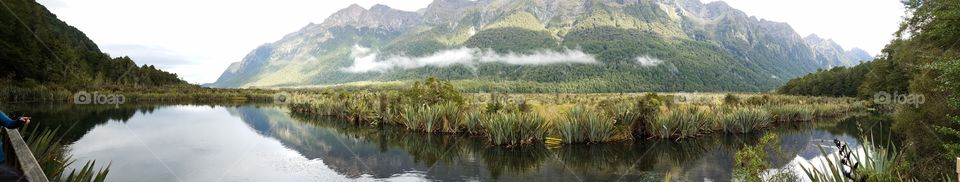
(266,143)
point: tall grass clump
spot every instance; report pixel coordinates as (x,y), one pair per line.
(413,118)
(450,117)
(870,164)
(54,160)
(745,120)
(792,112)
(514,128)
(681,122)
(472,122)
(445,117)
(584,125)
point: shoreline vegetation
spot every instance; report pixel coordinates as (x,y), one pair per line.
(168,93)
(435,106)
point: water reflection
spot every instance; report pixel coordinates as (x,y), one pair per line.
(265,143)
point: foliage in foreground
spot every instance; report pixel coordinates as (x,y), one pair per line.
(873,164)
(54,160)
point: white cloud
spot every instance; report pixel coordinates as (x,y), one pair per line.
(213,33)
(647,61)
(365,60)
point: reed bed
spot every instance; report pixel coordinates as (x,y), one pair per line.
(792,112)
(682,122)
(446,118)
(512,119)
(585,125)
(745,120)
(514,128)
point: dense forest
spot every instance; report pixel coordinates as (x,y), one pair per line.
(922,61)
(836,82)
(39,50)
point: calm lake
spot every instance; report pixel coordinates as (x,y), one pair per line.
(266,143)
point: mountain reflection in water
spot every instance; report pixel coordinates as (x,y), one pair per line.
(266,143)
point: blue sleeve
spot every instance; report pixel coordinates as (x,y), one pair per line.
(10,123)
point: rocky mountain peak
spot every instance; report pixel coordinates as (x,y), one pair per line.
(378,16)
(440,10)
(380,8)
(857,55)
(817,42)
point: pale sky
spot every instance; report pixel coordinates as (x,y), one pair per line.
(198,39)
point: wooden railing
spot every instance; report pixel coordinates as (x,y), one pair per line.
(26,162)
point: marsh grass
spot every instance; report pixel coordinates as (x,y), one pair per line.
(446,118)
(792,112)
(584,124)
(514,128)
(745,120)
(571,118)
(681,122)
(472,122)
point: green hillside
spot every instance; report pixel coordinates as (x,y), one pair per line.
(37,49)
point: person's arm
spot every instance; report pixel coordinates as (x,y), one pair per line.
(10,123)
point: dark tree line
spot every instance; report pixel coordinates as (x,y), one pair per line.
(38,49)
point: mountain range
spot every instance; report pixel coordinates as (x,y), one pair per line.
(544,46)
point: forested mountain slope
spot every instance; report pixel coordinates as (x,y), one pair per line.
(37,49)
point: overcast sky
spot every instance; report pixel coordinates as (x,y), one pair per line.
(198,39)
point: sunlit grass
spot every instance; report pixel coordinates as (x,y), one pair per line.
(572,118)
(745,120)
(681,122)
(514,128)
(585,125)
